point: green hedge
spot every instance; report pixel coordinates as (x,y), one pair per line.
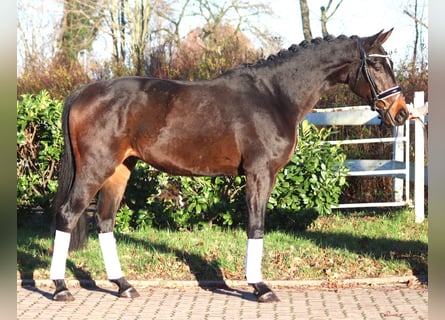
(312,180)
(39,146)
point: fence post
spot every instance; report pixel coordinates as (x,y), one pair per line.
(398,149)
(419,159)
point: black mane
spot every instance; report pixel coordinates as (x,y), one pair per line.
(295,49)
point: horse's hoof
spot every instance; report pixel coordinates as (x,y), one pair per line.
(129,293)
(64,296)
(125,289)
(268,297)
(264,293)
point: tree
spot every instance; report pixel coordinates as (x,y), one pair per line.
(34,44)
(115,20)
(219,43)
(48,51)
(418,24)
(304,10)
(79,28)
(204,55)
(131,25)
(326,15)
(142,30)
(142,14)
(212,15)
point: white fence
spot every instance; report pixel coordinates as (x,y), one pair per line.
(398,166)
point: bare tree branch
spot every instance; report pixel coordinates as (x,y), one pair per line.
(326,16)
(417,20)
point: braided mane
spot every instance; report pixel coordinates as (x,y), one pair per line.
(295,49)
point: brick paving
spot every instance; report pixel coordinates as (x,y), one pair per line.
(237,302)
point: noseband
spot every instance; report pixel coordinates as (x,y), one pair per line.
(376,95)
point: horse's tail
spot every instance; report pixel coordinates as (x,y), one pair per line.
(66,180)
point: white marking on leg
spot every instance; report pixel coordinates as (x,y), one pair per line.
(109,253)
(254,255)
(60,254)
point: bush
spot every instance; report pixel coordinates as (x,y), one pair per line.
(314,177)
(39,146)
(183,202)
(57,77)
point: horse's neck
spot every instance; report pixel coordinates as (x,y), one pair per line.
(301,80)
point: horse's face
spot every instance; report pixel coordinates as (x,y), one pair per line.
(373,79)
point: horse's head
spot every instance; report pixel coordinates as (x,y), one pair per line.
(374,80)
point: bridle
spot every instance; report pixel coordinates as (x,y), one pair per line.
(376,95)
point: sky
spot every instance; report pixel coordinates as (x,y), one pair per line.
(354,17)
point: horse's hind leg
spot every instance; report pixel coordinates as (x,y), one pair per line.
(67,216)
(85,186)
(109,199)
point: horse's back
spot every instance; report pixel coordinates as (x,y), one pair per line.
(178,127)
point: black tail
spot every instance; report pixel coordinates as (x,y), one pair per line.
(66,180)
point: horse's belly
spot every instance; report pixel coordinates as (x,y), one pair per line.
(197,157)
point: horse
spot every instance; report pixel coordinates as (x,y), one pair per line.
(243,122)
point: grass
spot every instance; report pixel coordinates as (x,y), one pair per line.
(340,246)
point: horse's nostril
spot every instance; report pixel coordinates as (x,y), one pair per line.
(401,117)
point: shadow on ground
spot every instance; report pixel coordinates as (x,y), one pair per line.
(414,252)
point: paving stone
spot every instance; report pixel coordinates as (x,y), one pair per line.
(197,303)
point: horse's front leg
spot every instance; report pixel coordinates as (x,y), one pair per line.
(258,189)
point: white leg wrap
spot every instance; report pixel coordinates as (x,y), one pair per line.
(60,254)
(254,254)
(109,253)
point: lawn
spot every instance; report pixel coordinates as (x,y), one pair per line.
(340,246)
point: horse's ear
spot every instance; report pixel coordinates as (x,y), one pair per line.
(377,40)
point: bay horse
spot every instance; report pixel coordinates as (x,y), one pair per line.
(243,122)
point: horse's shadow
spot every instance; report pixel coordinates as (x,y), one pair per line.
(208,274)
(27,274)
(213,281)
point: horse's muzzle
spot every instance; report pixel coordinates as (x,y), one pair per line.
(393,113)
(401,117)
